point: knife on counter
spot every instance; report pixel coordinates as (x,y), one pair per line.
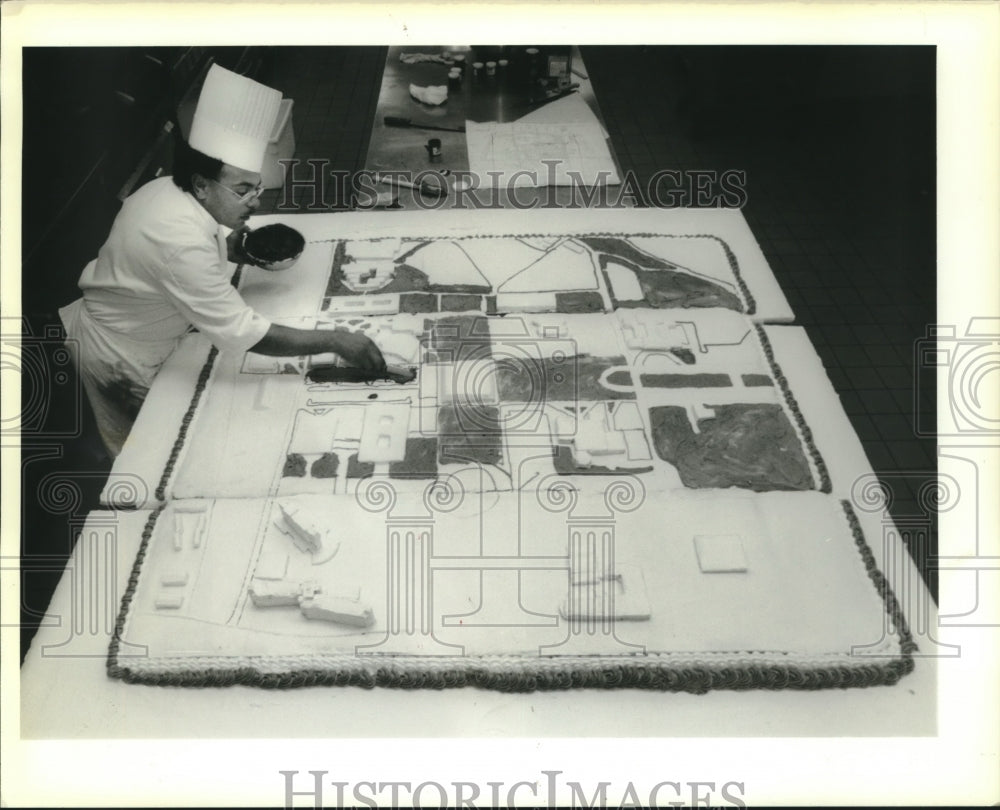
(398,121)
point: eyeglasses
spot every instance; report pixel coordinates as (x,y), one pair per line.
(244,199)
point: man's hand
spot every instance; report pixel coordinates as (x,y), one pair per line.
(354,347)
(357,350)
(234,246)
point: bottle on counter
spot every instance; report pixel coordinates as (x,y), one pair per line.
(533,59)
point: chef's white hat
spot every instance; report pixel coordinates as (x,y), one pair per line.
(234,119)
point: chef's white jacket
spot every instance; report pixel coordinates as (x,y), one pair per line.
(162,271)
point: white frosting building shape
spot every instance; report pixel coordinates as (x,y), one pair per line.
(339,609)
(307,532)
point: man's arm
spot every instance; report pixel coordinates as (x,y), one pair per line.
(355,348)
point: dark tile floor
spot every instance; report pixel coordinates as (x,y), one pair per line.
(838,149)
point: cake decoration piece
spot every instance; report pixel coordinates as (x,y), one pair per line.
(267,593)
(169,602)
(307,532)
(383,438)
(618,597)
(720,553)
(339,609)
(174,579)
(281,593)
(189,523)
(301,526)
(747,445)
(309,589)
(699,412)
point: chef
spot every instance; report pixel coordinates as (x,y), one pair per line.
(164,268)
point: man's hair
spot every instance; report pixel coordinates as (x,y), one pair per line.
(189,162)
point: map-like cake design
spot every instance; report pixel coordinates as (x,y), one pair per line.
(567,274)
(596,474)
(751,446)
(661,283)
(301,591)
(685,403)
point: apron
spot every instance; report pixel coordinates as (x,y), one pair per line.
(116,371)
